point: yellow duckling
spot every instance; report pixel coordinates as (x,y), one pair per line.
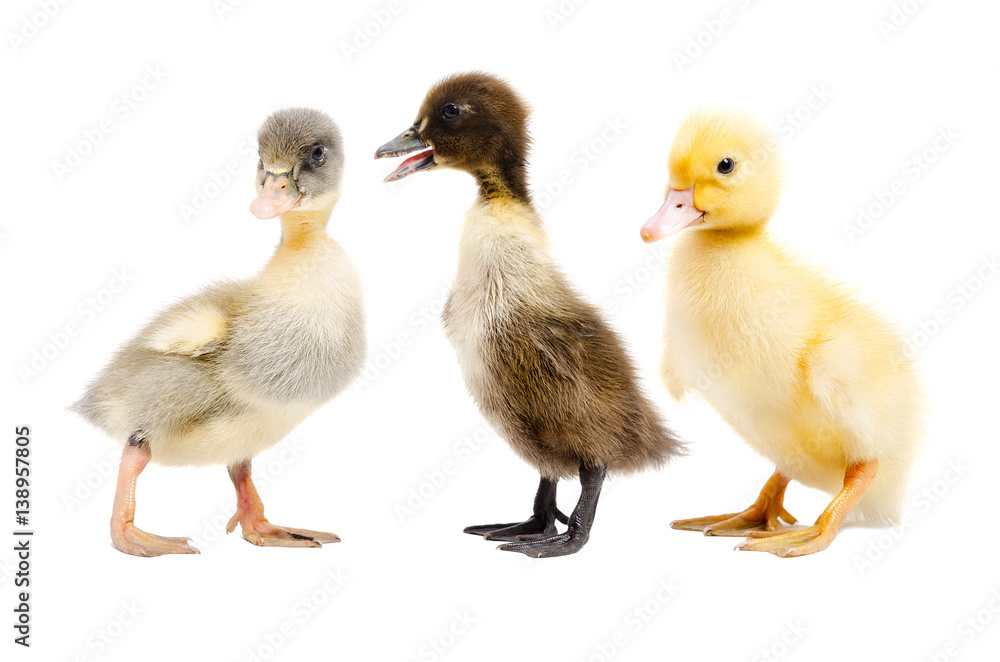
(811,378)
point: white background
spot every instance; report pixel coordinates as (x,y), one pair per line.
(877,101)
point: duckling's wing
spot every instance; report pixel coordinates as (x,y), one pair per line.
(195,326)
(562,343)
(192,332)
(856,375)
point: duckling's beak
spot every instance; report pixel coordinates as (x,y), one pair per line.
(406,142)
(677,213)
(278,195)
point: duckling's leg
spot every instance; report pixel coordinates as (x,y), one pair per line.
(125,536)
(817,537)
(763,514)
(591,479)
(542,521)
(256,528)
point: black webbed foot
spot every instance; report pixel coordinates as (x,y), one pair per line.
(541,522)
(537,537)
(561,544)
(514,530)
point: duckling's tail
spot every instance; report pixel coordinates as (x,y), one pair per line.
(86,407)
(667,443)
(652,445)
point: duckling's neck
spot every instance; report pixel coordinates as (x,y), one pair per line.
(504,232)
(727,238)
(503,249)
(507,179)
(504,213)
(301,230)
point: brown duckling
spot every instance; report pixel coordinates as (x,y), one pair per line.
(225,374)
(543,366)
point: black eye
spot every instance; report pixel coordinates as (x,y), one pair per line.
(450,111)
(726,166)
(318,152)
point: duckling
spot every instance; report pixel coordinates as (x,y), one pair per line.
(226,373)
(542,365)
(812,378)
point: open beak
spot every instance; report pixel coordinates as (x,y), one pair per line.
(278,195)
(405,143)
(677,213)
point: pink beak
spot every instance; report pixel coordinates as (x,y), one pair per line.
(276,197)
(677,213)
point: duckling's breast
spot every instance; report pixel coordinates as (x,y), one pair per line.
(301,335)
(490,320)
(504,273)
(736,330)
(488,293)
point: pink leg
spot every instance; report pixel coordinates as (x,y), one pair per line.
(256,528)
(125,536)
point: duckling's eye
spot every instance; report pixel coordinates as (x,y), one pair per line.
(318,153)
(450,111)
(726,166)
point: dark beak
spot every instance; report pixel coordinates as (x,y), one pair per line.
(405,143)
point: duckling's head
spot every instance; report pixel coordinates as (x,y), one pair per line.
(473,122)
(724,175)
(301,163)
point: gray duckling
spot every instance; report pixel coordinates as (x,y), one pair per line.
(226,373)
